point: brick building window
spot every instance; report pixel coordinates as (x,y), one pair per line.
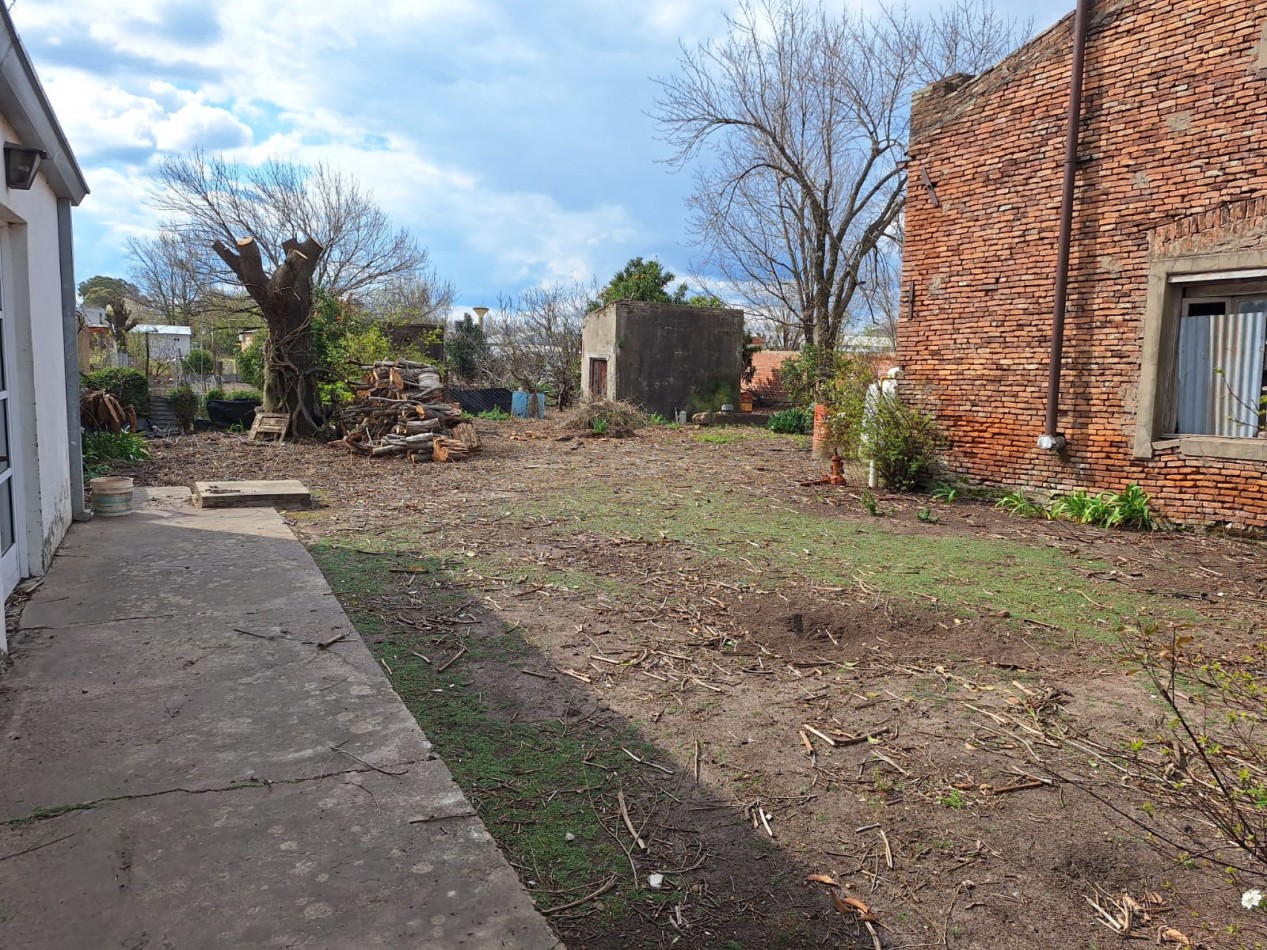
(1219,365)
(1203,376)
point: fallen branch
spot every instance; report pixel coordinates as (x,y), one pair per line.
(624,814)
(603,889)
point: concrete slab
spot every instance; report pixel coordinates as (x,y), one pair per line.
(286,492)
(191,770)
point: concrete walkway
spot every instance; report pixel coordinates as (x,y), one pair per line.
(182,767)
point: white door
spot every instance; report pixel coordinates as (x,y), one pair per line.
(11,523)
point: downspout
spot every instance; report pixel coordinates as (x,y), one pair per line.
(70,347)
(1051,440)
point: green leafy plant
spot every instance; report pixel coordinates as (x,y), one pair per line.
(238,395)
(599,426)
(495,414)
(129,385)
(1134,507)
(953,799)
(1129,508)
(102,447)
(870,505)
(789,421)
(655,419)
(945,493)
(1016,502)
(713,393)
(1210,754)
(199,363)
(904,442)
(926,515)
(184,402)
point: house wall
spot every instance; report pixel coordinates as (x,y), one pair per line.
(1172,162)
(660,354)
(32,299)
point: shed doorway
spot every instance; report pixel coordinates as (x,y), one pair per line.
(598,378)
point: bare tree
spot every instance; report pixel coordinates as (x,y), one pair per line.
(537,339)
(802,117)
(278,229)
(169,280)
(420,297)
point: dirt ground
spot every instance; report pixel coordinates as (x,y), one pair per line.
(922,705)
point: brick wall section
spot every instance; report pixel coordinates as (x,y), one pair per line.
(765,378)
(1173,161)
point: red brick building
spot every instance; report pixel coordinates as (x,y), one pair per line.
(1163,362)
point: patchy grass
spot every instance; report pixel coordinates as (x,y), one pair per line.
(731,527)
(717,438)
(536,785)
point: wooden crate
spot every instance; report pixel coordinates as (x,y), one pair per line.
(270,426)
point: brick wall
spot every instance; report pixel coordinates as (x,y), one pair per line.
(1173,160)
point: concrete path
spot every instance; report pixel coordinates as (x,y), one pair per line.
(182,767)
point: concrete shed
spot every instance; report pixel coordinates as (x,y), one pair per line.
(663,357)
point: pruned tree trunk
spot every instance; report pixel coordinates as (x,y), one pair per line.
(285,300)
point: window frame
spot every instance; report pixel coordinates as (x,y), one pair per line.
(1167,280)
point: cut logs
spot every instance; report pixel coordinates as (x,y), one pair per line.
(402,408)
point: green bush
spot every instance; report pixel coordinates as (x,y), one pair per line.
(1129,508)
(129,385)
(495,414)
(251,361)
(184,402)
(790,422)
(904,442)
(712,394)
(199,363)
(845,395)
(799,375)
(104,446)
(219,395)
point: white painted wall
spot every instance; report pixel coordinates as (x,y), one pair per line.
(32,299)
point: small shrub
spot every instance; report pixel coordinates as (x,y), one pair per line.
(495,414)
(243,395)
(199,363)
(184,402)
(655,419)
(102,446)
(1016,502)
(216,395)
(904,442)
(712,394)
(946,493)
(604,417)
(1129,508)
(130,386)
(870,505)
(926,515)
(790,422)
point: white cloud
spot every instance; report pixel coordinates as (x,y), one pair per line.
(200,126)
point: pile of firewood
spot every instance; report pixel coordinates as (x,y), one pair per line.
(401,408)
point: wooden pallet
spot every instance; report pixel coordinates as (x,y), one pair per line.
(273,425)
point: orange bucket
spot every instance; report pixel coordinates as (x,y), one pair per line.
(820,447)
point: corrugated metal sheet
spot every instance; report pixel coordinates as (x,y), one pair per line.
(475,401)
(1221,371)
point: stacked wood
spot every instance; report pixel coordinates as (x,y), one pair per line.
(100,409)
(402,408)
(456,447)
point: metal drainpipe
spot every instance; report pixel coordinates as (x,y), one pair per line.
(1052,440)
(70,344)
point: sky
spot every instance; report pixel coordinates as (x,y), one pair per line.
(512,138)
